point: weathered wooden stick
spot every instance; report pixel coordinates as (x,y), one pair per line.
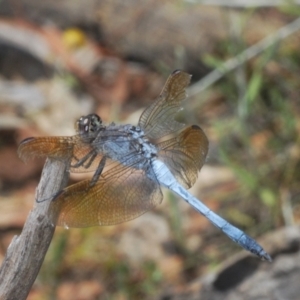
(26,252)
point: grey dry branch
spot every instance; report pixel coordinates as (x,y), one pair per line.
(26,252)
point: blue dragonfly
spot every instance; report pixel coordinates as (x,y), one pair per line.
(130,164)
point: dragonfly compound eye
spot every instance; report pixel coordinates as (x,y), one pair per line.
(89,123)
(95,122)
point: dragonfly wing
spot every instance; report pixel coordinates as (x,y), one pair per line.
(54,147)
(185,154)
(158,119)
(84,158)
(121,194)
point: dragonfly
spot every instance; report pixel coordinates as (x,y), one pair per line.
(130,164)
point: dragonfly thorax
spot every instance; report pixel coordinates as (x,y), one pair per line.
(124,143)
(146,147)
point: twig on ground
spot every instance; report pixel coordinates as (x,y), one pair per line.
(246,55)
(26,252)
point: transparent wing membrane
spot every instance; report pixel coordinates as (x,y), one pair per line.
(185,154)
(54,147)
(158,119)
(84,158)
(121,194)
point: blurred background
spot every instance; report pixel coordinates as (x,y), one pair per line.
(63,59)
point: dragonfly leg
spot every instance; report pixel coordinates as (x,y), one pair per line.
(89,158)
(98,171)
(92,158)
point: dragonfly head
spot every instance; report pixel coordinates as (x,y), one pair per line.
(88,124)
